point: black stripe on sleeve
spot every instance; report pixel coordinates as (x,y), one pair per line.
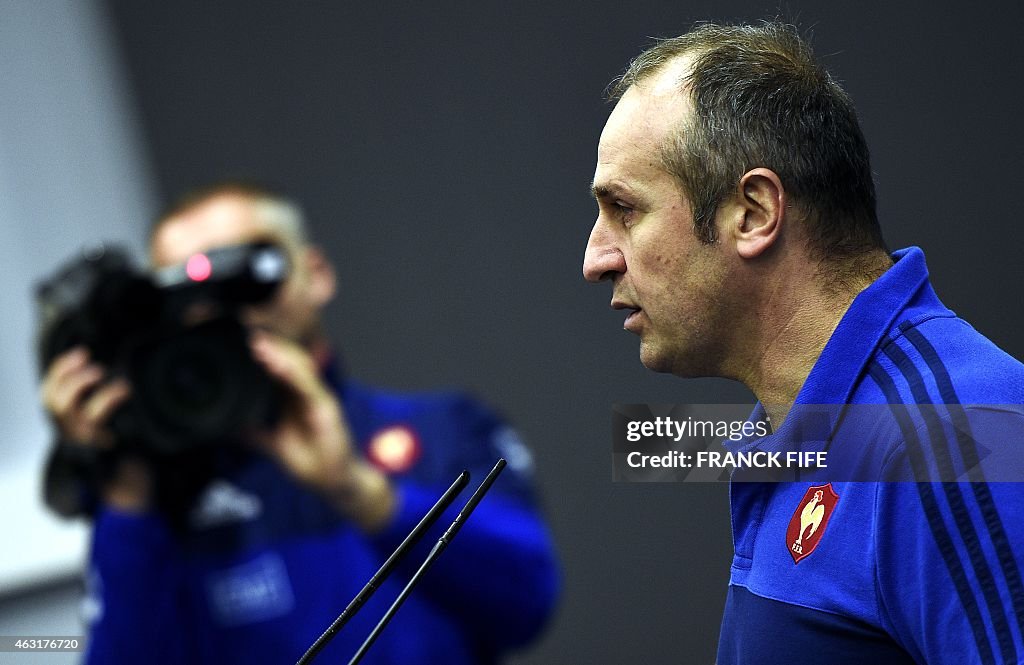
(939,442)
(926,492)
(982,492)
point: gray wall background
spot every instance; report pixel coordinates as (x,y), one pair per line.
(444,151)
(73,169)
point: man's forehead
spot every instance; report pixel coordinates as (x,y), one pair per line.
(671,78)
(651,107)
(220,221)
(639,126)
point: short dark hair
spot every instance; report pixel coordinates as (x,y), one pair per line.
(760,99)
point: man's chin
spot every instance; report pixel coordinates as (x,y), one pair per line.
(653,359)
(679,364)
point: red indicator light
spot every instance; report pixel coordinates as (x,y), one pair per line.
(198,267)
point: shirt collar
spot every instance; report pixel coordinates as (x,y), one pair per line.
(863,327)
(853,343)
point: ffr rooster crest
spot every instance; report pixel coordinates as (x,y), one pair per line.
(807,526)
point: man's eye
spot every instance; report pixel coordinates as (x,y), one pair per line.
(624,211)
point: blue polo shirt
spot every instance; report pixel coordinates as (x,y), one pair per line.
(843,572)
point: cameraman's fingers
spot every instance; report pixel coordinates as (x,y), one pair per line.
(62,392)
(289,363)
(97,409)
(68,361)
(58,369)
(86,422)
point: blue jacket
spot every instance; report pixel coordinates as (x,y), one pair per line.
(265,565)
(890,572)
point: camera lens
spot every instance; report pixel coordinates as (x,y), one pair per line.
(192,378)
(198,386)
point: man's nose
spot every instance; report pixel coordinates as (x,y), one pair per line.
(603,258)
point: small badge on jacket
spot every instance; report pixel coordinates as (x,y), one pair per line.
(394,449)
(809,521)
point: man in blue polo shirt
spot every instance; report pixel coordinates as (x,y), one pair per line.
(286,525)
(737,226)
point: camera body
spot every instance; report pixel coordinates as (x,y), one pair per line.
(175,335)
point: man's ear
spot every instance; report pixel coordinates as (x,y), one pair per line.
(322,278)
(759,212)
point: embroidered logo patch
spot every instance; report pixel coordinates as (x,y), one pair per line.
(809,521)
(394,449)
(254,591)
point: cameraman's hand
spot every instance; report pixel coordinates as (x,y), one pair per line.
(74,393)
(313,440)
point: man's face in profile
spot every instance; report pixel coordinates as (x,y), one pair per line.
(233,219)
(643,240)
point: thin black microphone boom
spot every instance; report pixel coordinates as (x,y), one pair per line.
(414,537)
(439,547)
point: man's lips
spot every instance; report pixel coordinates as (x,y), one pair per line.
(632,322)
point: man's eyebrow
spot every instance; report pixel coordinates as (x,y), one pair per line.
(613,190)
(604,191)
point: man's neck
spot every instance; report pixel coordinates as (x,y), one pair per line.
(796,319)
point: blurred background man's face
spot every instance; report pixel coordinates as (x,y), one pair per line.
(233,219)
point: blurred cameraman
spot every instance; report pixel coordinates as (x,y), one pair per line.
(246,553)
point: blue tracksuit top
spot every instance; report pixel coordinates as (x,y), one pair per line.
(896,572)
(265,565)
